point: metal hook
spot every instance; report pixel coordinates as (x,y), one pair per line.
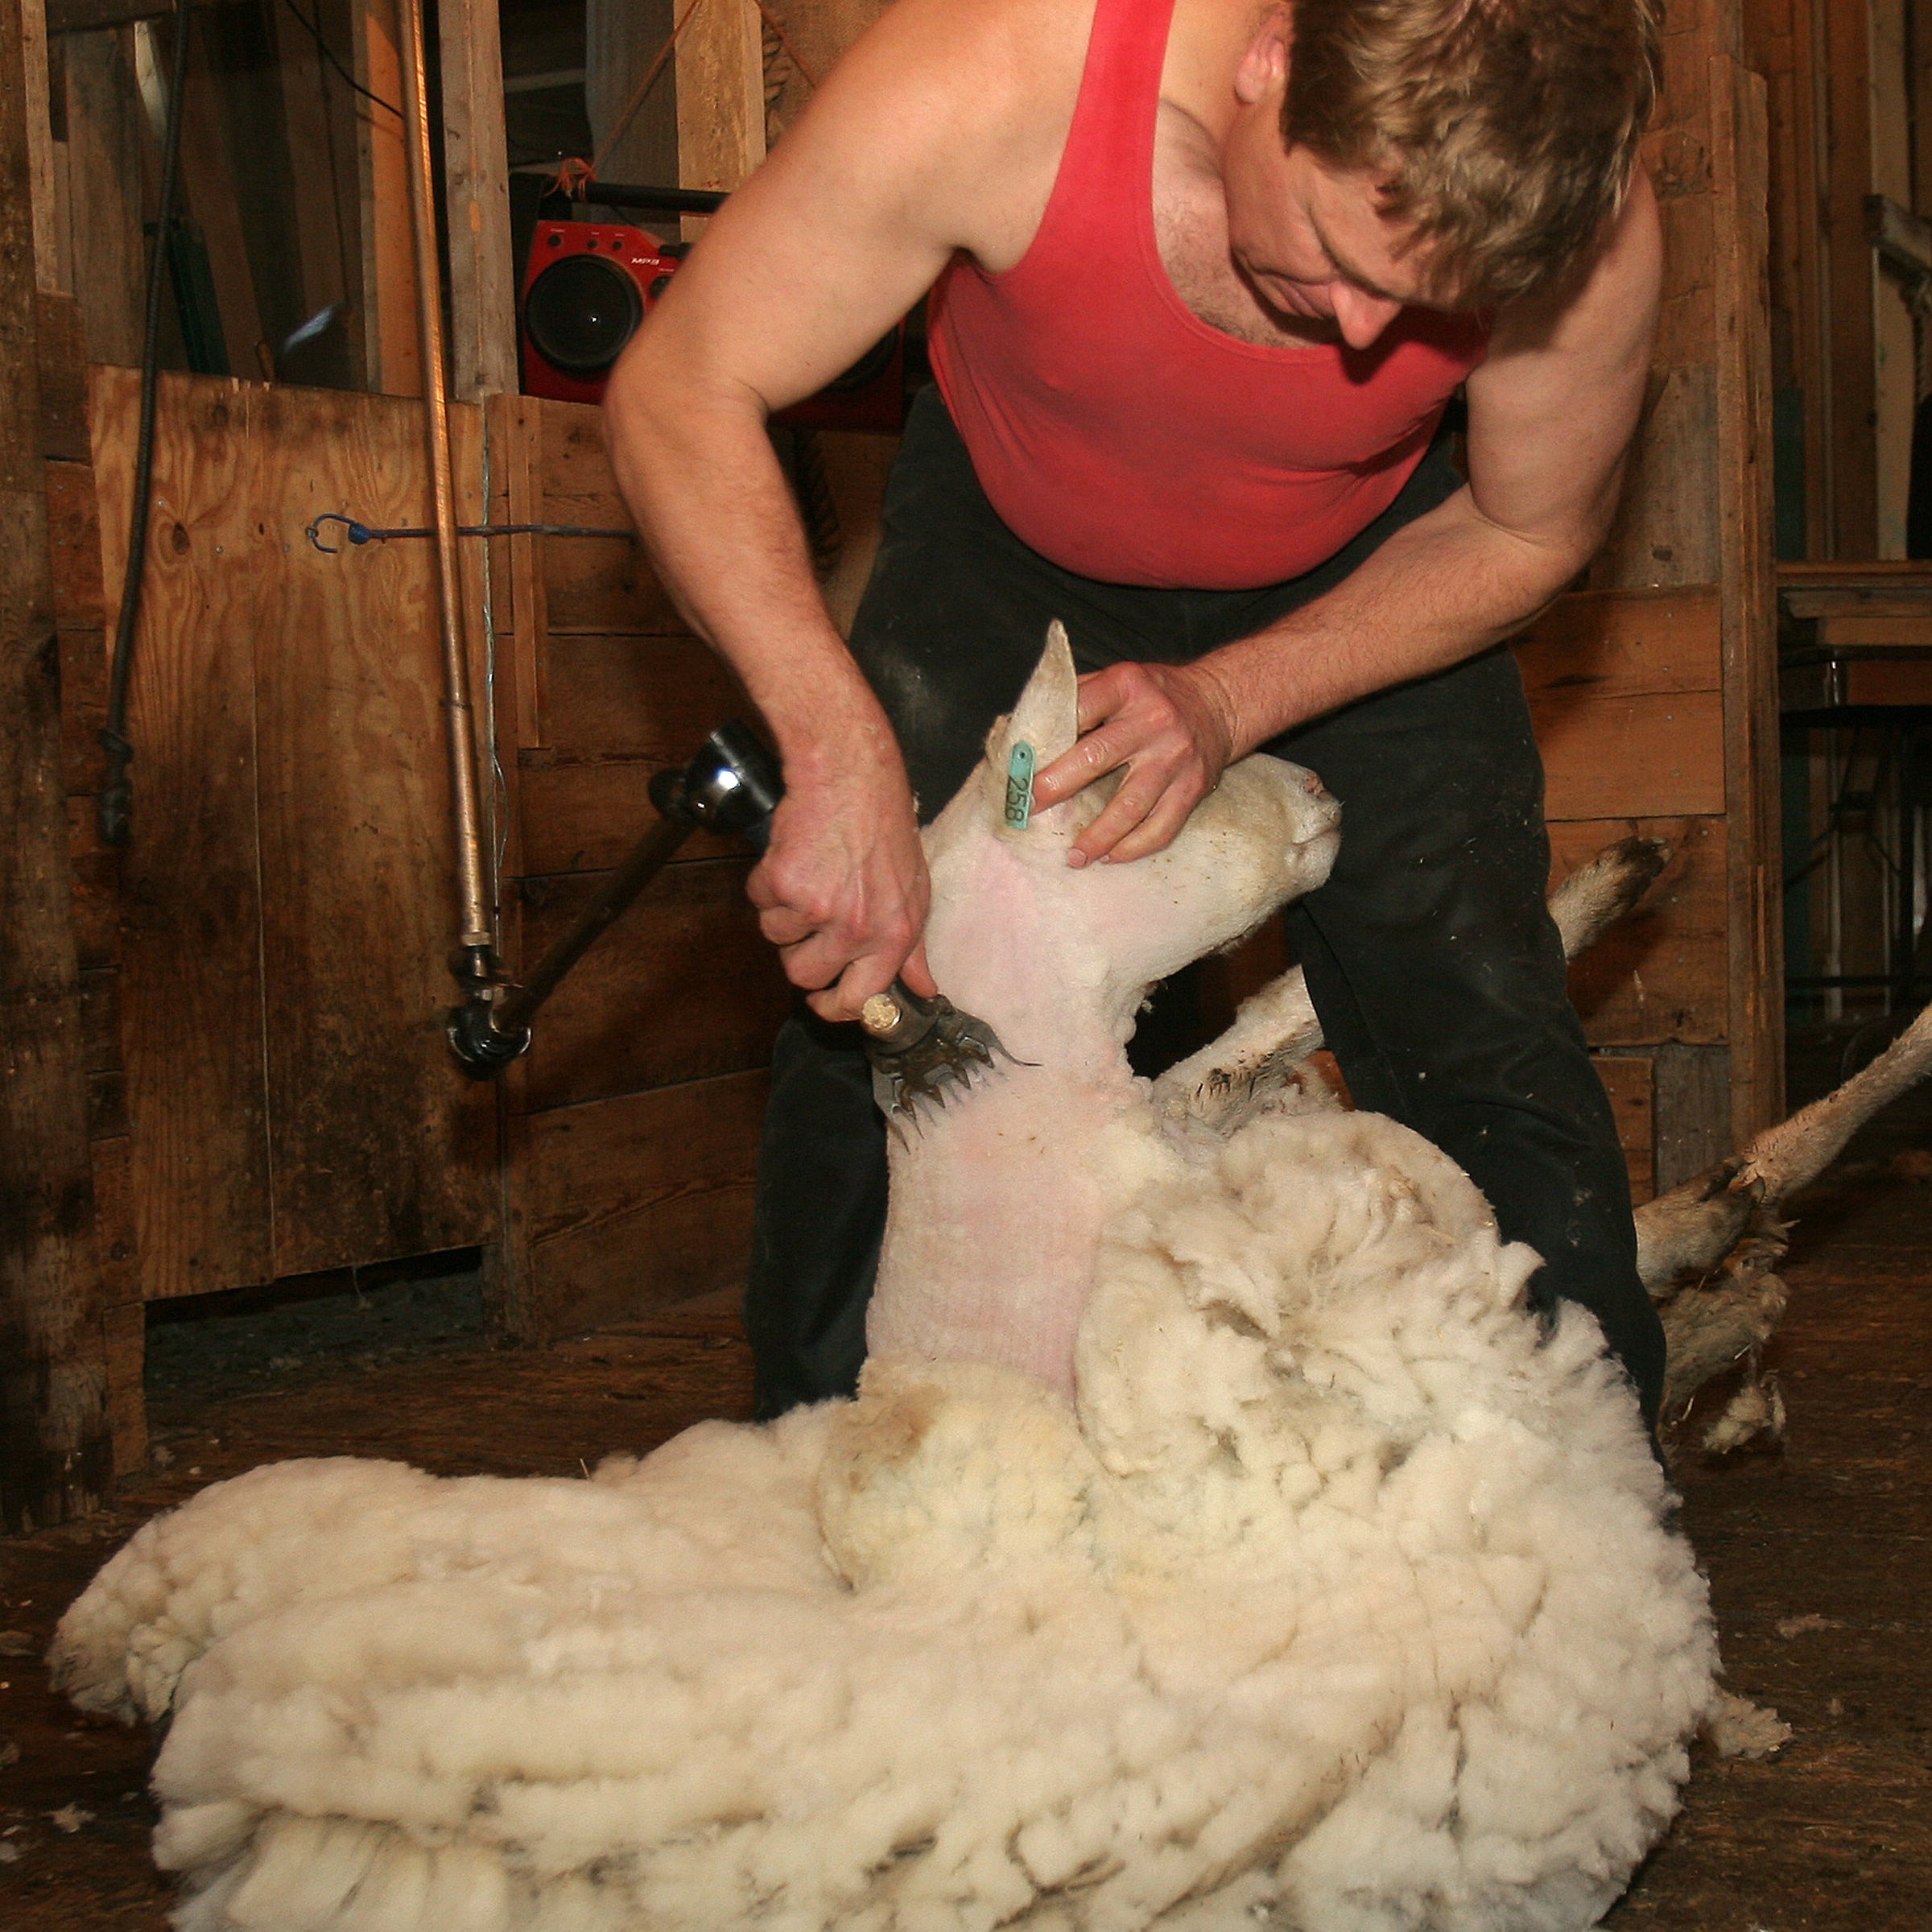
(356,533)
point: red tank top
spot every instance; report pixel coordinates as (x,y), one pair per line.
(1125,438)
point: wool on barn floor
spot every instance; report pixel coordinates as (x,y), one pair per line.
(1813,1552)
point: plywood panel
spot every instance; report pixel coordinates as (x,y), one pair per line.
(1659,974)
(683,986)
(1622,643)
(1646,757)
(601,584)
(628,1203)
(632,697)
(379,1146)
(1628,1083)
(191,904)
(584,818)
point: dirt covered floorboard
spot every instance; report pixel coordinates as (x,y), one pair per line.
(1817,1553)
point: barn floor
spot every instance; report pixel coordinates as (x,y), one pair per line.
(1817,1554)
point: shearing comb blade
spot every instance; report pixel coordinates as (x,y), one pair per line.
(923,1051)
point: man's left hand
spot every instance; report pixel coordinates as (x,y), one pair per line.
(1169,726)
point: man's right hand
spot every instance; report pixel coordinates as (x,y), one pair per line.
(842,890)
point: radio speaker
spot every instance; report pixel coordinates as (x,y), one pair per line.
(587,290)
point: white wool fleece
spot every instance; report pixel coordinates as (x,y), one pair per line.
(1343,1603)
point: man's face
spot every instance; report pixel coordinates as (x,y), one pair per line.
(1312,241)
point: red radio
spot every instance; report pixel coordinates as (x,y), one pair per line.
(588,287)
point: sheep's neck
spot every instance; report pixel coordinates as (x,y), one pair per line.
(998,1199)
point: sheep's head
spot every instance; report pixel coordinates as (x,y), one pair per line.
(1011,920)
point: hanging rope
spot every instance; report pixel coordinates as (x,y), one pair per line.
(574,177)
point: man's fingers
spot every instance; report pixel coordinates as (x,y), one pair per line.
(917,974)
(1156,832)
(1091,758)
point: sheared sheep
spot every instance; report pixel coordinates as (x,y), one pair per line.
(1216,1540)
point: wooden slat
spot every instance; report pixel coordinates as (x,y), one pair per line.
(74,534)
(1658,756)
(55,1452)
(94,874)
(83,710)
(191,909)
(39,144)
(682,987)
(379,1147)
(1628,1080)
(391,349)
(63,360)
(104,169)
(125,1330)
(721,71)
(1622,643)
(1661,972)
(632,1202)
(595,584)
(1873,627)
(483,300)
(651,698)
(208,180)
(1755,914)
(584,818)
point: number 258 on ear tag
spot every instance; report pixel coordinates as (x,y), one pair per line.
(1019,786)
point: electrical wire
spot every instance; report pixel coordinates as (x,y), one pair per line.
(114,810)
(313,29)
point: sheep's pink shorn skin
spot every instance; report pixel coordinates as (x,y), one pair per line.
(998,1199)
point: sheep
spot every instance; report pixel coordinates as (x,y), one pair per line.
(1216,1540)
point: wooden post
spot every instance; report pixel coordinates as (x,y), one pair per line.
(721,60)
(393,355)
(56,1453)
(482,274)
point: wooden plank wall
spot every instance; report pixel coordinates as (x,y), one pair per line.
(1653,691)
(633,1121)
(56,1450)
(284,900)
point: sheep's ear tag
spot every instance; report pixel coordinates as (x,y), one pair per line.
(1019,786)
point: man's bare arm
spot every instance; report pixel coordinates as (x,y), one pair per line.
(1551,412)
(840,232)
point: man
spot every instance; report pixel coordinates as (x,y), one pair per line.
(1206,279)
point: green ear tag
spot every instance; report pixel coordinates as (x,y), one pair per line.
(1019,786)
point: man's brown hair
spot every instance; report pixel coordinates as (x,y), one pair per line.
(1505,130)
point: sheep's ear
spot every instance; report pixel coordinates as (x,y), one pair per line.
(1047,719)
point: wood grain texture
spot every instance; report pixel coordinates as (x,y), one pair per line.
(56,1454)
(391,349)
(603,585)
(63,373)
(1692,1086)
(1628,1080)
(720,70)
(1753,777)
(1660,973)
(684,986)
(105,163)
(378,1146)
(1622,643)
(191,904)
(649,699)
(1645,756)
(292,1105)
(584,818)
(74,538)
(631,1202)
(482,276)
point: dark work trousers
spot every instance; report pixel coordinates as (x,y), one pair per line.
(1433,963)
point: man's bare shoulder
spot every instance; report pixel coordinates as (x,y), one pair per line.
(962,99)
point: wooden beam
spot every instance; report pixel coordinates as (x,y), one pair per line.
(1747,597)
(40,145)
(482,271)
(104,183)
(391,349)
(621,38)
(88,16)
(208,182)
(721,63)
(55,1448)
